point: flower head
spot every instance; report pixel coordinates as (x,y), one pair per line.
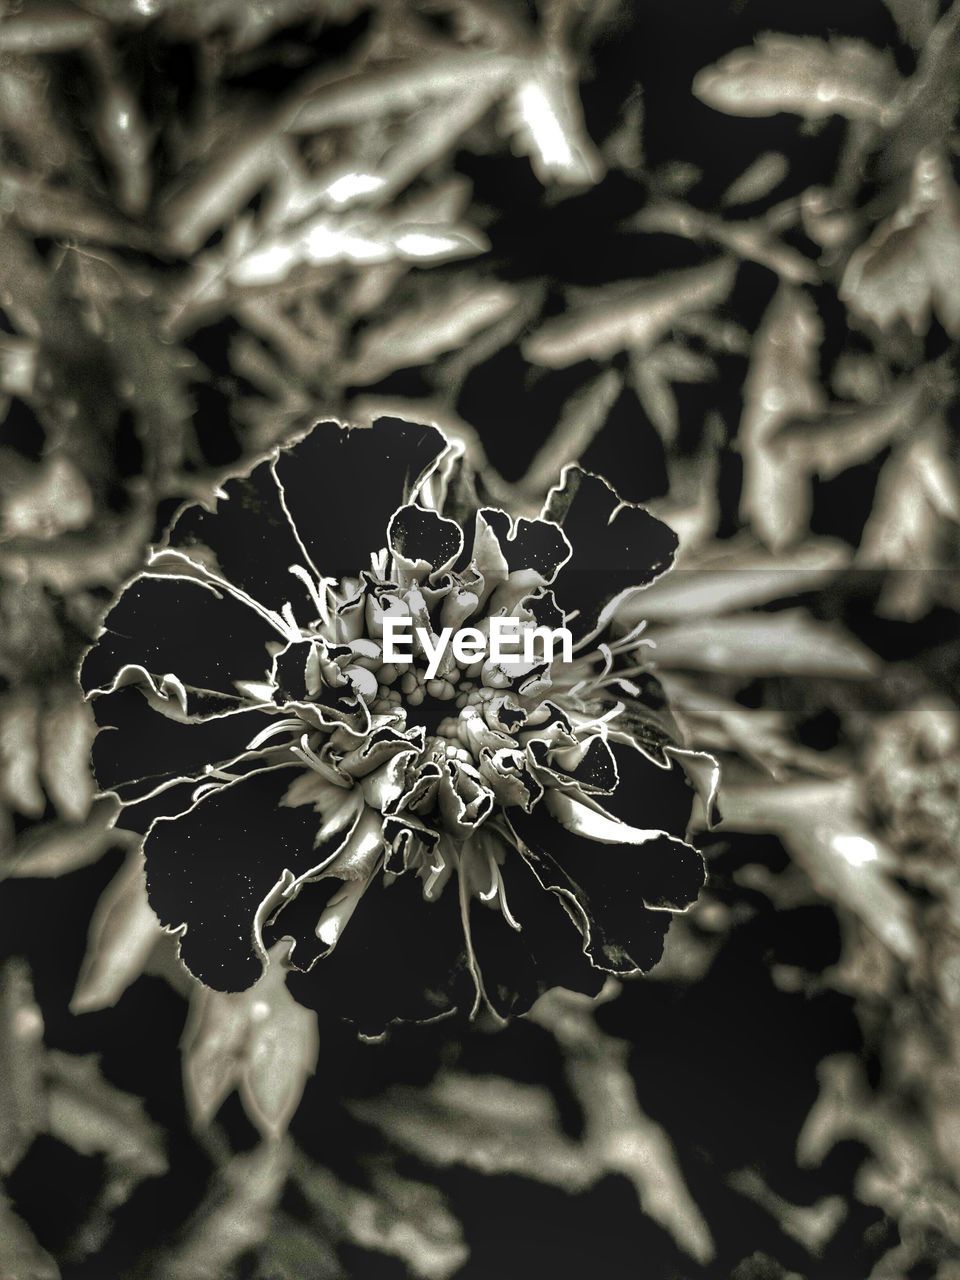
(423,844)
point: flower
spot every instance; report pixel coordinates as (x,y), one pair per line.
(422,845)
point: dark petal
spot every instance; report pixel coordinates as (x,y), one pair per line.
(517,966)
(616,547)
(648,796)
(596,773)
(342,485)
(296,684)
(252,538)
(138,815)
(613,885)
(169,625)
(139,744)
(419,537)
(546,612)
(400,958)
(212,867)
(528,544)
(646,716)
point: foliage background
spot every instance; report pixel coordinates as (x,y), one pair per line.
(710,249)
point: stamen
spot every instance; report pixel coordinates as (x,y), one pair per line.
(288,725)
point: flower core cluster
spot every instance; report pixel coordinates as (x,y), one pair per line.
(421,842)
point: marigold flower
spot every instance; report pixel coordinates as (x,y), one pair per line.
(424,845)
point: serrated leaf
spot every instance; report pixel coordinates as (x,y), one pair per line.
(810,77)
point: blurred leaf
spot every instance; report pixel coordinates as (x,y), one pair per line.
(758,179)
(403,1219)
(910,266)
(20,753)
(93,1117)
(55,498)
(786,643)
(822,825)
(631,319)
(22,1101)
(782,384)
(234,1218)
(545,120)
(417,335)
(123,932)
(259,1040)
(21,1258)
(810,77)
(57,848)
(66,735)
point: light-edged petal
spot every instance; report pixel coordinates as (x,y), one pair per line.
(342,484)
(618,547)
(166,624)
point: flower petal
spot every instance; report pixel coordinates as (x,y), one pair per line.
(534,547)
(518,965)
(137,743)
(400,958)
(617,547)
(341,485)
(167,624)
(251,536)
(423,542)
(618,887)
(211,869)
(648,792)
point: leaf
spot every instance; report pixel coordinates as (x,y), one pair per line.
(809,77)
(20,753)
(581,418)
(280,1054)
(821,825)
(95,1118)
(54,499)
(846,436)
(66,735)
(918,488)
(21,1257)
(123,932)
(910,266)
(545,121)
(786,643)
(57,848)
(259,1040)
(399,1218)
(782,383)
(22,1100)
(418,334)
(235,1216)
(758,179)
(742,578)
(634,319)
